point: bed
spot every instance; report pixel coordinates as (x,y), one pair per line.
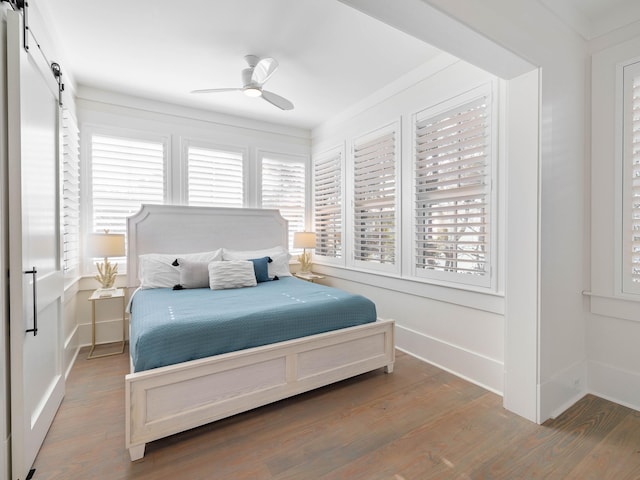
(164,397)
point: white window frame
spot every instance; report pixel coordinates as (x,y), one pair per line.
(88,266)
(624,132)
(606,294)
(184,164)
(285,157)
(338,151)
(350,236)
(489,280)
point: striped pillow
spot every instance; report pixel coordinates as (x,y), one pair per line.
(231,274)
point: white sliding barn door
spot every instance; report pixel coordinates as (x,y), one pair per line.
(35,276)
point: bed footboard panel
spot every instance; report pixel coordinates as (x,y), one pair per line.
(172,399)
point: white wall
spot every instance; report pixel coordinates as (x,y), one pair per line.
(613,322)
(522,180)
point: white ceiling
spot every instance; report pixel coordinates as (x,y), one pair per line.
(331,56)
(593,18)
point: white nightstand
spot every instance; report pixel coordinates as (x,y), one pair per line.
(101,295)
(308,276)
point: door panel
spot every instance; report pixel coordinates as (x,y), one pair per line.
(37,380)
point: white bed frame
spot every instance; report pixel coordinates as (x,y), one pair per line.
(168,400)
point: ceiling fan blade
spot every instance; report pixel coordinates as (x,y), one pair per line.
(213,90)
(280,102)
(263,70)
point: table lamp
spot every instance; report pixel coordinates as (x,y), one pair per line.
(304,240)
(106,245)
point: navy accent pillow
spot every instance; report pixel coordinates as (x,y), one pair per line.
(261,268)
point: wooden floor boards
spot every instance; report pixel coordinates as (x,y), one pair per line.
(416,423)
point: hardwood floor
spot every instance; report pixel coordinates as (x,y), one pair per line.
(416,423)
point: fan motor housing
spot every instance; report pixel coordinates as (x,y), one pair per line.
(246,77)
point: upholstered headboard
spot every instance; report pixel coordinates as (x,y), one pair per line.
(183,229)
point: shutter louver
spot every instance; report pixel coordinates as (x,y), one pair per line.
(70,193)
(328,205)
(635,187)
(374,207)
(283,187)
(452,190)
(215,177)
(126,173)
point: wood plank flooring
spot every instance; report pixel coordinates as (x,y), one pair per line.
(416,423)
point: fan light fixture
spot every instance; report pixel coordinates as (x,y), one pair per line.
(252,92)
(253,80)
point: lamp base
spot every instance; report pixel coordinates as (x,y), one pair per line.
(305,262)
(106,274)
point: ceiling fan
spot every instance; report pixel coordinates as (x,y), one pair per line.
(253,78)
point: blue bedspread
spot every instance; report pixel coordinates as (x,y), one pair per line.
(169,327)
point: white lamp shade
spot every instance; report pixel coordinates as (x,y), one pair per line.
(106,245)
(304,240)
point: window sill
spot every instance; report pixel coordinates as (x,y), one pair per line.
(488,301)
(625,308)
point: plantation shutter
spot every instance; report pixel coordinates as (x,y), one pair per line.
(452,191)
(125,174)
(631,181)
(374,207)
(215,177)
(284,188)
(70,194)
(327,200)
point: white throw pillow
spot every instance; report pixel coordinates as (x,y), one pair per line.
(155,270)
(231,274)
(279,265)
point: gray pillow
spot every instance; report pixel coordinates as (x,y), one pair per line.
(192,274)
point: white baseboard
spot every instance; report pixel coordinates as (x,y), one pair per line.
(483,371)
(559,392)
(614,384)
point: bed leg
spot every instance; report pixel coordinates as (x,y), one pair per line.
(136,452)
(388,368)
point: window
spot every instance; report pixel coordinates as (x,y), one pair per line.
(70,194)
(374,198)
(327,202)
(631,180)
(215,177)
(452,190)
(283,186)
(126,172)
